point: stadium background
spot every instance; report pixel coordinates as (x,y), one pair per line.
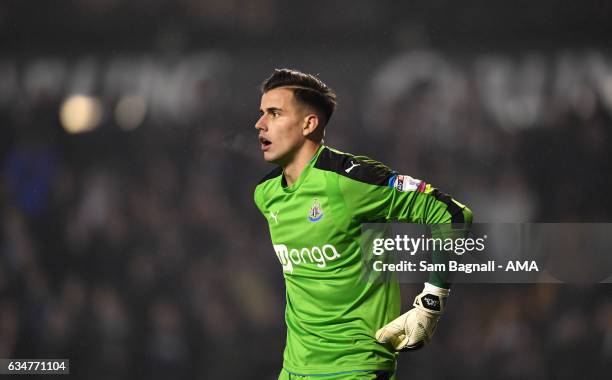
(133,247)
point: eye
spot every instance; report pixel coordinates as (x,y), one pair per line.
(275,113)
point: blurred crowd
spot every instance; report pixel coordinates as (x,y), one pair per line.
(140,254)
(130,259)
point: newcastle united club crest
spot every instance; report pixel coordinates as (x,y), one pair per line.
(316,212)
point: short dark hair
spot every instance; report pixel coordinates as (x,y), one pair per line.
(307,89)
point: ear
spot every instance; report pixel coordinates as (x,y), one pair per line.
(311,121)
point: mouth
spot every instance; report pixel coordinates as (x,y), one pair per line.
(265,143)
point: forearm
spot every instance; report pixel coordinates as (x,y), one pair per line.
(456,230)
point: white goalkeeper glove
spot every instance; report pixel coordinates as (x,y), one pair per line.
(414,329)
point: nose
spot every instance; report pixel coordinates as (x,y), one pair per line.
(260,124)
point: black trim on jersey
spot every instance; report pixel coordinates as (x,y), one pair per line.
(360,168)
(273,174)
(453,208)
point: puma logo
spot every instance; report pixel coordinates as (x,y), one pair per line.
(353,165)
(274,216)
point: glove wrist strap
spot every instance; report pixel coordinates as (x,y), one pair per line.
(432,300)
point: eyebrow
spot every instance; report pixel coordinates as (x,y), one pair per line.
(269,109)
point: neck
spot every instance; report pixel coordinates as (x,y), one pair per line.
(294,168)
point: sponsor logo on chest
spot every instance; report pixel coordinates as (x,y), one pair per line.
(290,257)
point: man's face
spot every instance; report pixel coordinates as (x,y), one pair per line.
(281,132)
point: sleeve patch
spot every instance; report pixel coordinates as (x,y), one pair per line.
(406,183)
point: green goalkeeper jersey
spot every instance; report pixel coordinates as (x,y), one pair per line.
(315,225)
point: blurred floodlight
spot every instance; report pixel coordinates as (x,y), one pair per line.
(130,112)
(80,113)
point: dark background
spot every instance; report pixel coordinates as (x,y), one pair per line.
(135,250)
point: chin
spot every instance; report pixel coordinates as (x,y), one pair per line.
(277,159)
(268,157)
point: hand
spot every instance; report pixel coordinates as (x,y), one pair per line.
(414,329)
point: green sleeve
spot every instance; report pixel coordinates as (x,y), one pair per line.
(257,199)
(405,199)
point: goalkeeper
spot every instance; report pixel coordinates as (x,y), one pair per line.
(315,201)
